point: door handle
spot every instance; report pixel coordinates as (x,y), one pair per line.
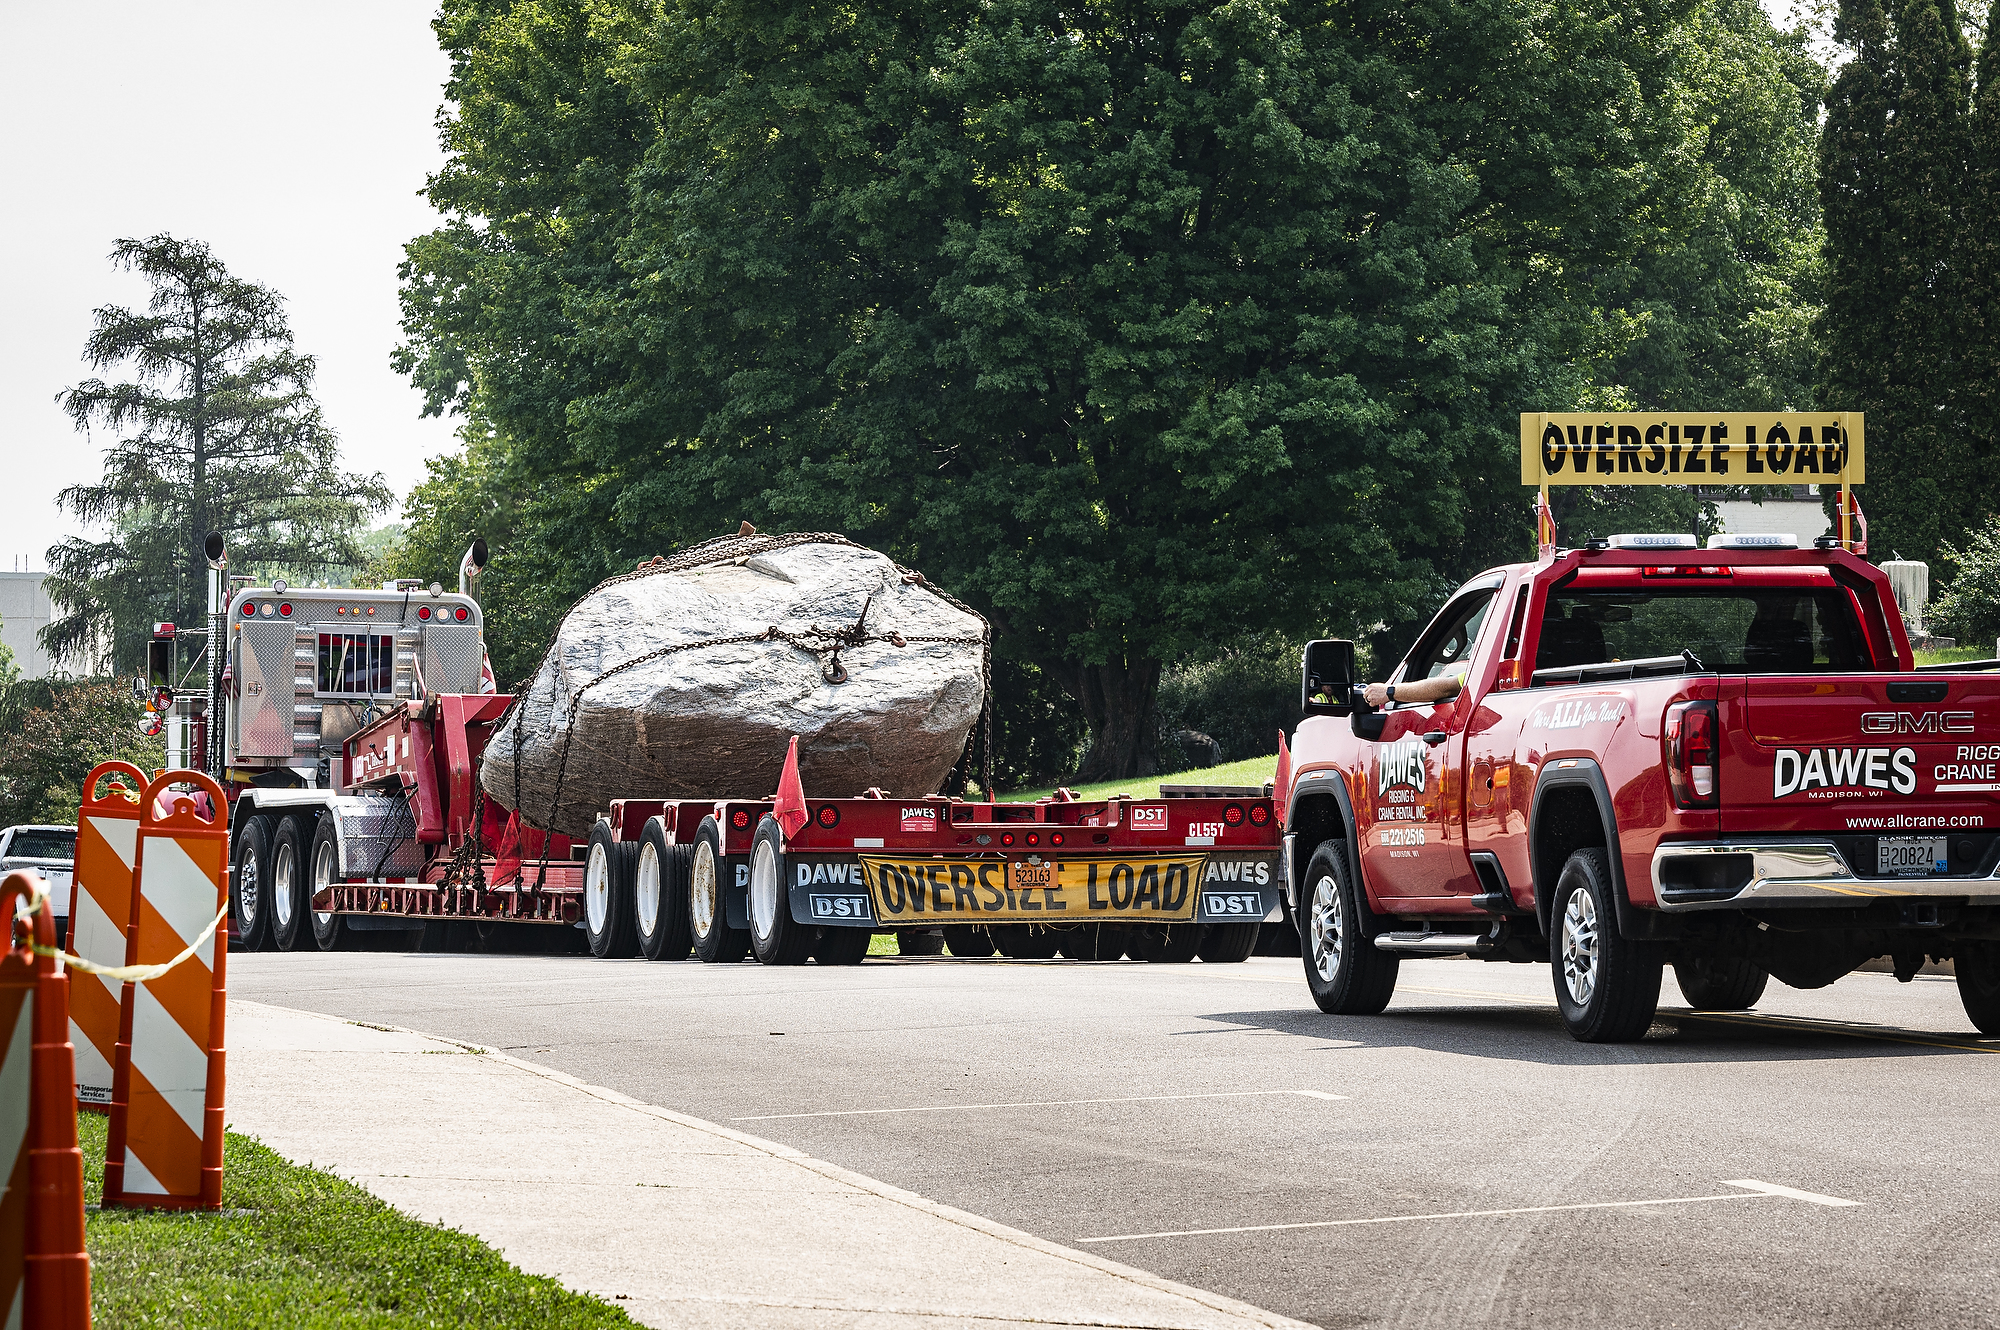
(1436,737)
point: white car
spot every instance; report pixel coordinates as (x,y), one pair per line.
(50,851)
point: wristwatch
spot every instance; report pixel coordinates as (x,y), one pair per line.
(1392,694)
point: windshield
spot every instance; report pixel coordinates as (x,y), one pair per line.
(42,845)
(1766,630)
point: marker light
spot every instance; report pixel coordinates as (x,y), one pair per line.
(1006,838)
(1055,838)
(1687,570)
(1034,838)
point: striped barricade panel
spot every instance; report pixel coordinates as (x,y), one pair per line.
(100,914)
(44,1269)
(166,1114)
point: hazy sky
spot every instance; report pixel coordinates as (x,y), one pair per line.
(292,137)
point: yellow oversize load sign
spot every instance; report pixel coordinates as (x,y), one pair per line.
(1694,448)
(1060,891)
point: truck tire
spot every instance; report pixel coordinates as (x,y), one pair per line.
(1229,944)
(1174,944)
(776,937)
(1720,984)
(659,895)
(1978,970)
(291,903)
(1094,942)
(1346,973)
(966,940)
(607,895)
(329,930)
(919,941)
(1607,986)
(250,885)
(841,946)
(1025,942)
(715,942)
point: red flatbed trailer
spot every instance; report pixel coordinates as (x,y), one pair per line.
(1196,869)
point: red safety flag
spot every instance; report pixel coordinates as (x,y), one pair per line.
(789,804)
(1281,784)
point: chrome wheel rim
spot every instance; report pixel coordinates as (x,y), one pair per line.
(597,889)
(646,888)
(282,872)
(1579,947)
(1326,927)
(248,891)
(322,877)
(701,891)
(764,888)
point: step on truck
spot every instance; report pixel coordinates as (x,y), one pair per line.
(347,728)
(1720,759)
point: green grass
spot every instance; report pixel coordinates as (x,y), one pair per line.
(1250,771)
(306,1249)
(1981,652)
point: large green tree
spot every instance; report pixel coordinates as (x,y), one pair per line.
(216,430)
(1144,326)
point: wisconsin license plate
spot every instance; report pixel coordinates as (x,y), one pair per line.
(1910,856)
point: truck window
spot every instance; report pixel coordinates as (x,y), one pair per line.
(356,665)
(1766,630)
(1448,646)
(39,844)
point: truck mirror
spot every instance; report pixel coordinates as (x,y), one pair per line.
(1326,678)
(159,663)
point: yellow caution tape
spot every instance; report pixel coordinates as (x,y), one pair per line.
(38,896)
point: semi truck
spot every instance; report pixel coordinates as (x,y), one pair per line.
(347,725)
(1722,759)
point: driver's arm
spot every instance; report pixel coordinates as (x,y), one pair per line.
(1440,689)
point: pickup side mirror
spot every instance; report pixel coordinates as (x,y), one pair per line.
(1326,678)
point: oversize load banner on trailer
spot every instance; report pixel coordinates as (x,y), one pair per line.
(1692,448)
(1064,891)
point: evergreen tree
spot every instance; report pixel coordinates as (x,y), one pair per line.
(220,433)
(1896,180)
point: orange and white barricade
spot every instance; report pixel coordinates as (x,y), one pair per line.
(100,917)
(44,1269)
(165,1142)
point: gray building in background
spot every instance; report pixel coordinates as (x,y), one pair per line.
(24,612)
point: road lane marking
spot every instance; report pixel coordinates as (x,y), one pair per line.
(1036,1103)
(1755,1190)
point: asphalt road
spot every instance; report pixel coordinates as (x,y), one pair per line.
(969,1082)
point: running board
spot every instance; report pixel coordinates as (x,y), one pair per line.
(1437,944)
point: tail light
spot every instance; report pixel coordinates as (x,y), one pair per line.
(285,610)
(740,819)
(1688,741)
(1233,815)
(1259,815)
(423,611)
(1006,838)
(461,614)
(1055,838)
(829,816)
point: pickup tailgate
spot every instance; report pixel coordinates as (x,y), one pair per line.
(1911,758)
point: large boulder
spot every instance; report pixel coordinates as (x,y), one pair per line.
(689,677)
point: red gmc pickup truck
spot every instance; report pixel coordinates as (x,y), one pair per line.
(1716,758)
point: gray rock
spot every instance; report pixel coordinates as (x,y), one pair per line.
(714,720)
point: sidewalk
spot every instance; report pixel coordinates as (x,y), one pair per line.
(682,1222)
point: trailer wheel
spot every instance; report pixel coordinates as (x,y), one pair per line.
(841,946)
(290,902)
(1718,984)
(329,929)
(1025,942)
(1978,969)
(659,895)
(968,940)
(1094,942)
(715,941)
(1229,944)
(1175,944)
(607,894)
(250,887)
(776,937)
(1607,986)
(1347,974)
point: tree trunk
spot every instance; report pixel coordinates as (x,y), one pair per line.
(1120,702)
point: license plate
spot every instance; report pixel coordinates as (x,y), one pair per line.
(1909,856)
(1066,891)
